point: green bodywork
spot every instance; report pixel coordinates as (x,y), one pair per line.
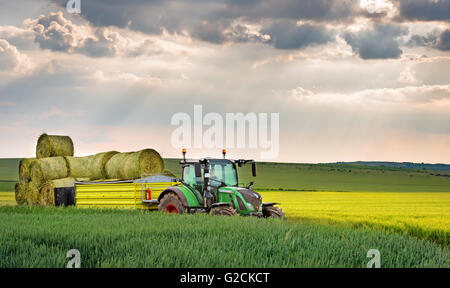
(230,195)
(225,192)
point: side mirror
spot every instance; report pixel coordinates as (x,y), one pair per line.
(254,169)
(198,170)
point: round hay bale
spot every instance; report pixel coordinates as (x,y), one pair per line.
(48,169)
(98,164)
(114,166)
(47,190)
(24,169)
(19,189)
(79,167)
(54,145)
(32,194)
(132,165)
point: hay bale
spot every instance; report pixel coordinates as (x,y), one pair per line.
(98,164)
(48,169)
(132,165)
(20,191)
(79,167)
(32,194)
(114,166)
(24,169)
(53,145)
(89,167)
(47,191)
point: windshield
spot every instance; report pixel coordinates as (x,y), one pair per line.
(220,172)
(224,172)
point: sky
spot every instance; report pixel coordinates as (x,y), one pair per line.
(350,80)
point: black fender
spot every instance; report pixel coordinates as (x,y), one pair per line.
(177,191)
(267,204)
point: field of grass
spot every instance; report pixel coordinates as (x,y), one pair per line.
(418,214)
(41,237)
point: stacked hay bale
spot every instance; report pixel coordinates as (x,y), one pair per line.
(132,165)
(49,164)
(55,167)
(53,146)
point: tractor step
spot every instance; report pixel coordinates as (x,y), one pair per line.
(150,201)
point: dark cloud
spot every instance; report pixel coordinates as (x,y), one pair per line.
(444,41)
(380,42)
(55,32)
(287,35)
(208,20)
(428,10)
(428,40)
(319,10)
(437,40)
(210,32)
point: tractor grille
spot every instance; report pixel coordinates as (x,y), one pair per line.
(251,197)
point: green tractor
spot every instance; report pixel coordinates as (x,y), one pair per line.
(210,185)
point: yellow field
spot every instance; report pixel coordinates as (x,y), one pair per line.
(424,215)
(7,198)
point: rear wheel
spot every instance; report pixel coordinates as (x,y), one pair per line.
(223,210)
(273,212)
(170,203)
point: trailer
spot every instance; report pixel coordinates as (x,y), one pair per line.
(140,193)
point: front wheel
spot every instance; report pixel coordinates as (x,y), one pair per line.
(170,203)
(272,212)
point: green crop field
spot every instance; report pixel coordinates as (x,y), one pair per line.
(336,212)
(41,237)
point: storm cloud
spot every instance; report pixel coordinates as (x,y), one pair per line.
(288,35)
(444,41)
(211,21)
(56,33)
(425,10)
(379,42)
(437,40)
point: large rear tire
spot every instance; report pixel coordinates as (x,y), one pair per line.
(170,203)
(272,212)
(223,211)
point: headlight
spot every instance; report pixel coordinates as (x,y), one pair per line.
(250,206)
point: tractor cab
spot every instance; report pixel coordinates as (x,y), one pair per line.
(222,172)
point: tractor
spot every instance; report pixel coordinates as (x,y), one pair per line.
(210,185)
